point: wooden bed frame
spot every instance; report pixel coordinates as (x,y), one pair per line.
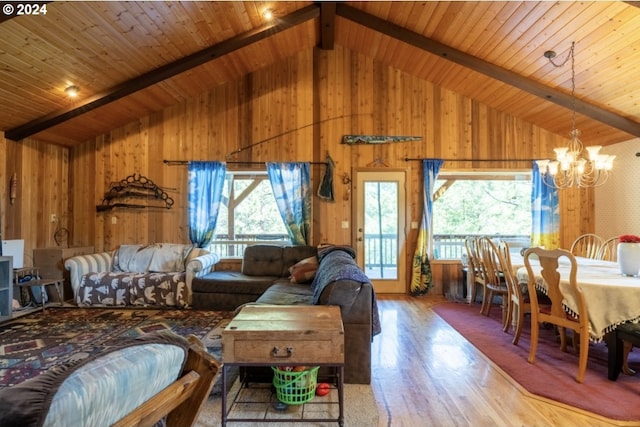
(181,401)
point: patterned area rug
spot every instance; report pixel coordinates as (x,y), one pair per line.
(32,344)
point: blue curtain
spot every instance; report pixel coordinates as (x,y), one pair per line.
(545,211)
(421,277)
(206,182)
(291,185)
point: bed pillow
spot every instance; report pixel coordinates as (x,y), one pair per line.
(304,271)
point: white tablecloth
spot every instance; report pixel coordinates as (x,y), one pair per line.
(611,298)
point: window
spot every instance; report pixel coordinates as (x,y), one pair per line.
(248,215)
(480,203)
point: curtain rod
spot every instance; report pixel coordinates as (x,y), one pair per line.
(186,162)
(409,159)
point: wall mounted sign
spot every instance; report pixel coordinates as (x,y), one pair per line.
(377,139)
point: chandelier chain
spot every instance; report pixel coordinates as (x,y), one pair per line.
(572,53)
(572,168)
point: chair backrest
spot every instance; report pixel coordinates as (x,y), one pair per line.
(507,270)
(550,265)
(609,249)
(491,262)
(475,263)
(586,246)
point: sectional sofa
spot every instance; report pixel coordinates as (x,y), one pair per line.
(172,275)
(301,275)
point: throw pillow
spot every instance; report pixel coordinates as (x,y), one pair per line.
(304,271)
(169,257)
(123,255)
(140,261)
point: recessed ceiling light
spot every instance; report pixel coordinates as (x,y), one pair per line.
(72,91)
(268,14)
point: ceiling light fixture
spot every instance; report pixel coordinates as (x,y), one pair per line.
(572,168)
(268,14)
(72,91)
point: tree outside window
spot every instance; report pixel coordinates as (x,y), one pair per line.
(477,204)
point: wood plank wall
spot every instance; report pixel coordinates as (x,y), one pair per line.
(296,110)
(42,172)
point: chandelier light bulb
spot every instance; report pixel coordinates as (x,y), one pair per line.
(593,151)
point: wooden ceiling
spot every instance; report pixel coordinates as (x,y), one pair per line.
(133,58)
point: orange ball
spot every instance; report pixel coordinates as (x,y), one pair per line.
(323,389)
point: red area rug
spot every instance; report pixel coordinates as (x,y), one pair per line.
(553,373)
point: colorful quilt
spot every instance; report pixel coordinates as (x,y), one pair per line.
(33,344)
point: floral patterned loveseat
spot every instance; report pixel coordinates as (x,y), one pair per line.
(155,275)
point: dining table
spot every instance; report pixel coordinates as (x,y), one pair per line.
(612,298)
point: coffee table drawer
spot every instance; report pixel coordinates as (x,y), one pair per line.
(284,351)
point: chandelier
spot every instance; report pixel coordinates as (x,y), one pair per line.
(575,165)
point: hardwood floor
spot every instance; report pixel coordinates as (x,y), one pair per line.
(426,374)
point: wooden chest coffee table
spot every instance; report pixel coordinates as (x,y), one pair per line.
(291,335)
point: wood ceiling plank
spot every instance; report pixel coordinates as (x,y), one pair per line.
(419,17)
(476,20)
(450,22)
(503,53)
(46,73)
(499,25)
(491,70)
(162,73)
(560,35)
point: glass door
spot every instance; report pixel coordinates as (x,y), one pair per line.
(380,228)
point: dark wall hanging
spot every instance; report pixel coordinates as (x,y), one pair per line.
(138,187)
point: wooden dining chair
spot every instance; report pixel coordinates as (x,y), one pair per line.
(586,246)
(609,249)
(555,313)
(494,277)
(476,270)
(518,300)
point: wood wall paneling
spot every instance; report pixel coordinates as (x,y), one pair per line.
(295,110)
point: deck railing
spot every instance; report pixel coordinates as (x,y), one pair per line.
(227,248)
(381,250)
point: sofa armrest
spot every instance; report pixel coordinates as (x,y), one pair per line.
(198,267)
(80,265)
(202,265)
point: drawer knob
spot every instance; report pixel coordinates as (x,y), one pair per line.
(276,352)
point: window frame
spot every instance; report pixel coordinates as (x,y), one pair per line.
(234,248)
(457,241)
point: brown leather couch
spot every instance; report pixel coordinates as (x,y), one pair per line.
(265,279)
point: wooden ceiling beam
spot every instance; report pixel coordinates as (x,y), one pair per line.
(165,72)
(327,25)
(509,77)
